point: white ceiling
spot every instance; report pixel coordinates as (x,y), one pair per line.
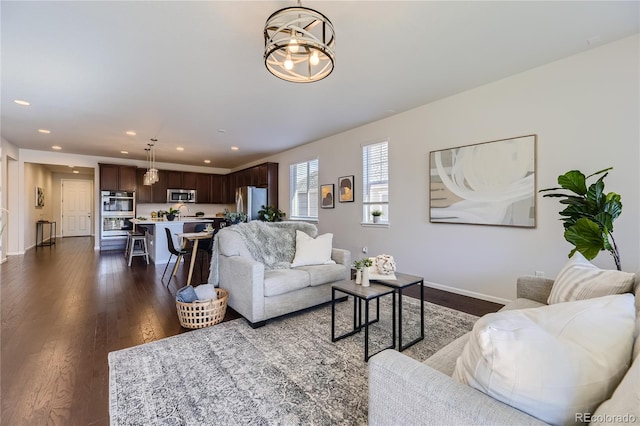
(183,71)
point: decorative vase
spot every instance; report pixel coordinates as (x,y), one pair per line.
(376,219)
(365,277)
(170,217)
(358,276)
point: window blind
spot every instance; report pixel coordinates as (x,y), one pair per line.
(303,178)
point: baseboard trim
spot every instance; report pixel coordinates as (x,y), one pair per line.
(469,293)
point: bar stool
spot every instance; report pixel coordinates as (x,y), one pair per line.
(128,246)
(138,247)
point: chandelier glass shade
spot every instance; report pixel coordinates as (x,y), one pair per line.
(151,176)
(299,44)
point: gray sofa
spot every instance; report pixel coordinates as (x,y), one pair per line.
(403,391)
(259,292)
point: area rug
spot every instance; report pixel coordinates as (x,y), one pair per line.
(285,373)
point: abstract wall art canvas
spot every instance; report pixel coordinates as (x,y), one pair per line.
(39,196)
(326,192)
(490,183)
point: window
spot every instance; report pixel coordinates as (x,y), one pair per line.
(375,181)
(303,178)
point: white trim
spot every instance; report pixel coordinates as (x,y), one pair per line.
(469,293)
(375,225)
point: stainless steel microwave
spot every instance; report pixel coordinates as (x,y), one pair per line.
(181,195)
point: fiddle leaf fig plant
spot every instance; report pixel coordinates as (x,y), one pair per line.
(589,213)
(271,214)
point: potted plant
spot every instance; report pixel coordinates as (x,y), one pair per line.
(234,217)
(358,264)
(366,262)
(171,214)
(589,215)
(376,215)
(271,214)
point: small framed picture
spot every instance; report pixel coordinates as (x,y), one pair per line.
(326,191)
(345,186)
(39,196)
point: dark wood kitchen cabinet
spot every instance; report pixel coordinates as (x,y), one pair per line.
(181,180)
(115,177)
(156,193)
(143,194)
(203,187)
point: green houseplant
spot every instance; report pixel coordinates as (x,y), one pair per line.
(271,214)
(234,217)
(171,214)
(589,213)
(376,215)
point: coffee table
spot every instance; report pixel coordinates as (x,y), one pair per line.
(401,282)
(360,294)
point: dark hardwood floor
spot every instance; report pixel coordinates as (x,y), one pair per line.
(65,307)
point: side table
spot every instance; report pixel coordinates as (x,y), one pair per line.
(401,282)
(53,231)
(360,294)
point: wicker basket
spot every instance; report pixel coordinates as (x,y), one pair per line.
(203,314)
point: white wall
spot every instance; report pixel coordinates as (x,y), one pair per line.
(10,197)
(585,111)
(56,196)
(36,175)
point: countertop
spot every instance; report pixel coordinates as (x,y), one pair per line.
(154,221)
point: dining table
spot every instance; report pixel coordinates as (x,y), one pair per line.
(193,237)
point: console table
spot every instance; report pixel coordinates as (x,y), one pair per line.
(53,231)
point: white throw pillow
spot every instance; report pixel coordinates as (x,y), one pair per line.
(580,279)
(310,251)
(553,361)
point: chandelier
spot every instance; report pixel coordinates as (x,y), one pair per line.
(299,44)
(151,176)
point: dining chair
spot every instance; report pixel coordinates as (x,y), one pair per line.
(174,252)
(205,246)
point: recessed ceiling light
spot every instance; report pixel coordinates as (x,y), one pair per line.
(21,102)
(56,147)
(124,152)
(207,161)
(234,148)
(179,148)
(130,133)
(76,171)
(45,131)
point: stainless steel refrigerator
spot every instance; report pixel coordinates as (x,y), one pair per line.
(250,200)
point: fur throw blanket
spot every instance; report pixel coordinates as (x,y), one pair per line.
(271,243)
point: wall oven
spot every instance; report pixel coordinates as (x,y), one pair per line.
(118,208)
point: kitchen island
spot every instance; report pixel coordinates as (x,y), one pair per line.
(157,236)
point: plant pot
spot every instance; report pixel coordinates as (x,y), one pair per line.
(376,219)
(365,277)
(170,217)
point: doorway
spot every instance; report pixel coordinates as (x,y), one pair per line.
(77,202)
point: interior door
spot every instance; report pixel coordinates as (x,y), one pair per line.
(77,200)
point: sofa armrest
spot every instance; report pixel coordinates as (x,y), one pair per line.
(243,278)
(534,288)
(341,256)
(403,391)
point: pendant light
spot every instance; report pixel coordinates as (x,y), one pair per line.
(299,44)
